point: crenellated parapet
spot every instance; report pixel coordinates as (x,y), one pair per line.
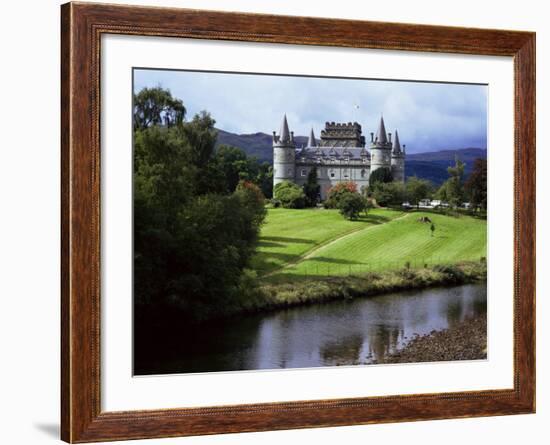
(342,135)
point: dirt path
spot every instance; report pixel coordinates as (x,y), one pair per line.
(310,253)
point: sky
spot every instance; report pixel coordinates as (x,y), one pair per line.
(429,116)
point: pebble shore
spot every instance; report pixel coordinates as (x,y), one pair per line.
(466,340)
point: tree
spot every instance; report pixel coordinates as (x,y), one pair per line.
(351,205)
(235,166)
(380,175)
(192,239)
(156,106)
(418,189)
(290,195)
(264,179)
(312,188)
(337,192)
(476,185)
(389,193)
(452,190)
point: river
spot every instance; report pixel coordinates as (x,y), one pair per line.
(330,334)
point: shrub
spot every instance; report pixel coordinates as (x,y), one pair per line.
(454,273)
(290,195)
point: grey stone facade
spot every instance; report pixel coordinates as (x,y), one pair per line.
(339,156)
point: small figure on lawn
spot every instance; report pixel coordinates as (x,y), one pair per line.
(432,229)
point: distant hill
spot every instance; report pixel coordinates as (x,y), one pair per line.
(428,165)
(256,144)
(433,165)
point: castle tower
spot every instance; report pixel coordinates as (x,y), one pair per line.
(284,154)
(380,148)
(398,160)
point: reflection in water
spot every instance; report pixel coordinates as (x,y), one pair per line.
(337,333)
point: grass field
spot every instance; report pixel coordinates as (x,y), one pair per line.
(298,243)
(288,234)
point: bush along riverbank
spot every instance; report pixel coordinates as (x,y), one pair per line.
(310,290)
(466,340)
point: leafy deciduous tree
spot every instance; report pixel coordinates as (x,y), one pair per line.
(418,189)
(351,205)
(156,106)
(476,185)
(290,195)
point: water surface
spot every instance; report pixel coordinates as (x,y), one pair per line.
(337,333)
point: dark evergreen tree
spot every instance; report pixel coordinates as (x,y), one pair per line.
(380,175)
(312,188)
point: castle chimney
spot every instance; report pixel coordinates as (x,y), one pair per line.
(371,136)
(389,136)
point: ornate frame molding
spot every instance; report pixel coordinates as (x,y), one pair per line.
(82,25)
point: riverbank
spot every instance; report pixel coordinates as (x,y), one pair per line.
(466,340)
(317,289)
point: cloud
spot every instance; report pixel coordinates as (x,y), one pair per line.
(429,116)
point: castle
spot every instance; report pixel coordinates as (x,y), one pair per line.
(339,156)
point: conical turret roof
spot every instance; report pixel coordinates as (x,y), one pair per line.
(311,141)
(396,144)
(284,134)
(381,135)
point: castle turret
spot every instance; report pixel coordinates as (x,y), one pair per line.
(311,142)
(284,153)
(397,160)
(380,148)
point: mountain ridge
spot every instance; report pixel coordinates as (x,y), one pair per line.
(430,165)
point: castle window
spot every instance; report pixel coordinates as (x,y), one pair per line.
(363,173)
(332,174)
(346,173)
(303,172)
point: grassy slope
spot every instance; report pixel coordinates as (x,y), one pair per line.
(382,247)
(288,235)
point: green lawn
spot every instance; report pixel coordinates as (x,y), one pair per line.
(314,242)
(289,234)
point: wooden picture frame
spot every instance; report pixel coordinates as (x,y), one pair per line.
(82,26)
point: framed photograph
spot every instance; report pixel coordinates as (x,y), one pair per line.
(274,222)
